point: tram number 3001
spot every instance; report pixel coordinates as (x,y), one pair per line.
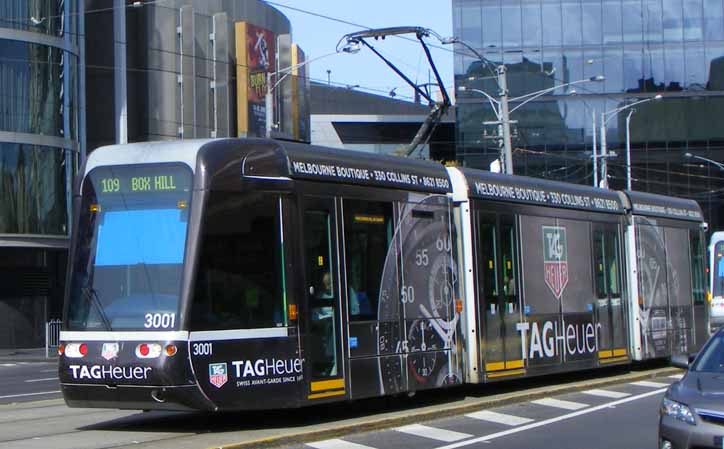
(159,320)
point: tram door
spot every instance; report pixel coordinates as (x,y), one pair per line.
(498,295)
(323,358)
(609,308)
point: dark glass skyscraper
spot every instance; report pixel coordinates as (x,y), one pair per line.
(40,129)
(642,47)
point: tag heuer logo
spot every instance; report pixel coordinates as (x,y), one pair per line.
(218,374)
(555,259)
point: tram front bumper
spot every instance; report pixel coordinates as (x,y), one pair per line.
(131,397)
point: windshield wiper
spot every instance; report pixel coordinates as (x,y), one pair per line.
(91,295)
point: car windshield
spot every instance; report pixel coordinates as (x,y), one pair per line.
(129,255)
(712,356)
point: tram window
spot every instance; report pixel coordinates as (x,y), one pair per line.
(507,237)
(718,270)
(239,283)
(697,267)
(600,264)
(612,264)
(488,265)
(367,237)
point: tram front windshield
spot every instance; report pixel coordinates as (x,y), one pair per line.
(718,270)
(130,248)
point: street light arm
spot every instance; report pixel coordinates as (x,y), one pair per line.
(495,104)
(719,165)
(533,95)
(613,112)
(286,71)
(454,40)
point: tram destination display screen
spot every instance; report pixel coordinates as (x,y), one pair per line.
(141,180)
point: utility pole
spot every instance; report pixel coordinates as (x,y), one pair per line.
(595,151)
(604,150)
(505,119)
(628,149)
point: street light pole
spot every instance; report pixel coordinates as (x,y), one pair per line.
(628,149)
(505,120)
(595,150)
(604,149)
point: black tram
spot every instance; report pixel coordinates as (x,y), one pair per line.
(255,274)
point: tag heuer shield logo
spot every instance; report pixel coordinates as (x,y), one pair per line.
(555,259)
(218,374)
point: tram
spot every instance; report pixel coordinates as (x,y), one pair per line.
(239,274)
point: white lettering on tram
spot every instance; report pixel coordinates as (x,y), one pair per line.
(550,341)
(267,367)
(103,372)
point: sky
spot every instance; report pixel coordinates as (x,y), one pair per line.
(318,36)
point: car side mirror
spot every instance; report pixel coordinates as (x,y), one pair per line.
(680,361)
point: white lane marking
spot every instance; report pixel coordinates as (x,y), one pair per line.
(500,418)
(676,376)
(42,380)
(646,383)
(433,433)
(606,393)
(557,403)
(534,425)
(49,370)
(29,394)
(337,444)
(6,365)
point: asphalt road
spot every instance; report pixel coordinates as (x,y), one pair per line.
(618,416)
(28,381)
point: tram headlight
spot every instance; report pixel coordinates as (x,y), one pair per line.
(171,350)
(678,411)
(75,350)
(148,350)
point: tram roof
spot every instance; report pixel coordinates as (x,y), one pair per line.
(279,159)
(540,192)
(653,205)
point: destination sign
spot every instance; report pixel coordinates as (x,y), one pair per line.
(156,178)
(537,191)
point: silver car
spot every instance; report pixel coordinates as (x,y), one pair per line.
(692,411)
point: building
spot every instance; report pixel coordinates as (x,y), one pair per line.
(41,129)
(642,47)
(343,117)
(191,69)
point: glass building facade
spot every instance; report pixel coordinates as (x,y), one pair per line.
(40,124)
(642,47)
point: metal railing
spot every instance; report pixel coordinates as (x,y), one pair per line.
(52,335)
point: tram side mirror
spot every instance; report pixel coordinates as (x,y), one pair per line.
(680,361)
(311,290)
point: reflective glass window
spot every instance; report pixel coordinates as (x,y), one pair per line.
(36,16)
(653,20)
(653,64)
(632,21)
(593,66)
(612,32)
(713,20)
(591,22)
(532,30)
(613,69)
(573,71)
(471,29)
(571,22)
(33,190)
(632,70)
(511,24)
(34,97)
(492,31)
(674,68)
(551,22)
(673,20)
(715,67)
(695,68)
(693,20)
